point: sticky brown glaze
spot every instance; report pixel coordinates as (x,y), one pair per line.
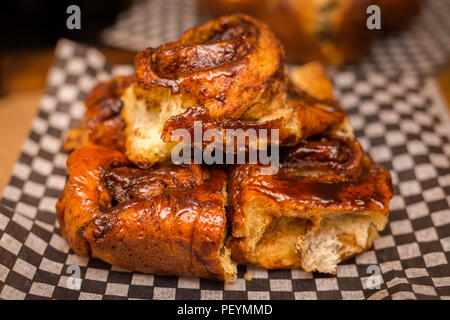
(102,124)
(337,157)
(167,220)
(187,120)
(227,66)
(367,192)
(128,183)
(320,175)
(311,116)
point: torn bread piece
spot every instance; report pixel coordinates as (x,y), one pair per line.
(228,67)
(326,203)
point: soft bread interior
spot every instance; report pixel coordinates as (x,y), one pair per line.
(145,117)
(229,267)
(344,130)
(277,246)
(338,237)
(291,242)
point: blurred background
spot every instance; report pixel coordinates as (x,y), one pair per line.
(331,31)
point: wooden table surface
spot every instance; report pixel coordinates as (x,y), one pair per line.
(22,81)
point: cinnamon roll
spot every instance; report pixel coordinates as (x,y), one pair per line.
(102,124)
(326,204)
(228,73)
(166,220)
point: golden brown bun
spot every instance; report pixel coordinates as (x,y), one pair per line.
(324,205)
(165,220)
(331,31)
(232,68)
(102,124)
(229,74)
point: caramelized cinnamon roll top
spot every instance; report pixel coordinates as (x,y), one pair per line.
(227,65)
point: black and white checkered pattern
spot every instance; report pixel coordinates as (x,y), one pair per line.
(400,121)
(150,23)
(422,48)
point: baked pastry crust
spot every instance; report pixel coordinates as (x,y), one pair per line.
(324,205)
(228,65)
(166,220)
(231,68)
(102,123)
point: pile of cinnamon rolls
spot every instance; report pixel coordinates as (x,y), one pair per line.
(128,204)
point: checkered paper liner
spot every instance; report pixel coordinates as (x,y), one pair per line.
(421,48)
(400,121)
(150,23)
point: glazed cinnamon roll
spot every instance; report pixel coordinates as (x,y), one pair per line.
(228,66)
(166,220)
(231,68)
(325,204)
(228,73)
(102,124)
